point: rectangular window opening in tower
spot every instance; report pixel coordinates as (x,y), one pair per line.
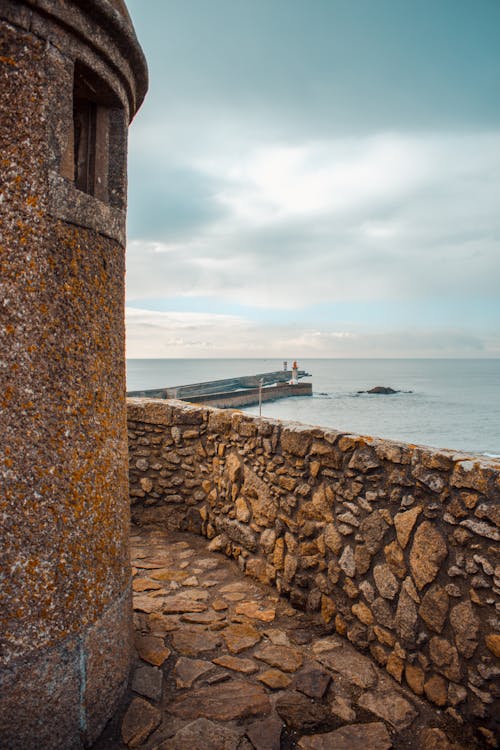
(85,145)
(91,159)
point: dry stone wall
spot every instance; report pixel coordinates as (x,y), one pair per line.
(394,544)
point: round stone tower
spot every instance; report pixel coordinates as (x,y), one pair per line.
(72,75)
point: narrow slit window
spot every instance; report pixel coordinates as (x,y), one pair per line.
(85,132)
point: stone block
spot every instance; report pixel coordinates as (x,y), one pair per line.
(386,581)
(235,699)
(364,459)
(107,646)
(139,722)
(471,475)
(203,734)
(427,553)
(391,707)
(295,440)
(372,530)
(444,657)
(434,607)
(465,624)
(40,700)
(404,523)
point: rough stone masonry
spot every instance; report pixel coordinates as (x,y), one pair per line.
(394,544)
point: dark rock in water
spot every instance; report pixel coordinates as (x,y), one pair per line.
(382,389)
(385,390)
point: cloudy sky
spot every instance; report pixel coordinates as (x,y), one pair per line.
(316,178)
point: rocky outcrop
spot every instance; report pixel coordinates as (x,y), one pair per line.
(392,544)
(383,390)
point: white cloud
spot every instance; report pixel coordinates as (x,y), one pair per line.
(314,172)
(186,334)
(178,334)
(382,218)
(375,218)
(153,334)
(275,182)
(380,230)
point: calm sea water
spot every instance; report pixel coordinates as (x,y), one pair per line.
(453,403)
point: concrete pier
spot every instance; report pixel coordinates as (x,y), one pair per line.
(246,390)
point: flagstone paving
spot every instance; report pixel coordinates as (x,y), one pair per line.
(225,663)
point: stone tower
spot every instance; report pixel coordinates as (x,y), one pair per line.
(72,75)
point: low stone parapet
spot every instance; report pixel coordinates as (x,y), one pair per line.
(394,544)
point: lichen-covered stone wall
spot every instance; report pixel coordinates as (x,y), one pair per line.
(393,543)
(65,616)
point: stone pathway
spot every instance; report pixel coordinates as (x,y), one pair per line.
(224,663)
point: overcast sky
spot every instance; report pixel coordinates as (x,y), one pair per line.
(316,178)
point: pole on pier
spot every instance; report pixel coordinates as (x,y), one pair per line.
(261,381)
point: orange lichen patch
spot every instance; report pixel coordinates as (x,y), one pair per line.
(8,61)
(32,200)
(7,395)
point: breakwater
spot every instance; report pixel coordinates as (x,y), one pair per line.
(393,543)
(246,390)
(252,396)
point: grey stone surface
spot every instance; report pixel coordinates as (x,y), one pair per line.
(248,703)
(356,737)
(378,551)
(203,734)
(147,681)
(390,707)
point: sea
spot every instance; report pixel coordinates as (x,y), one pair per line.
(445,403)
